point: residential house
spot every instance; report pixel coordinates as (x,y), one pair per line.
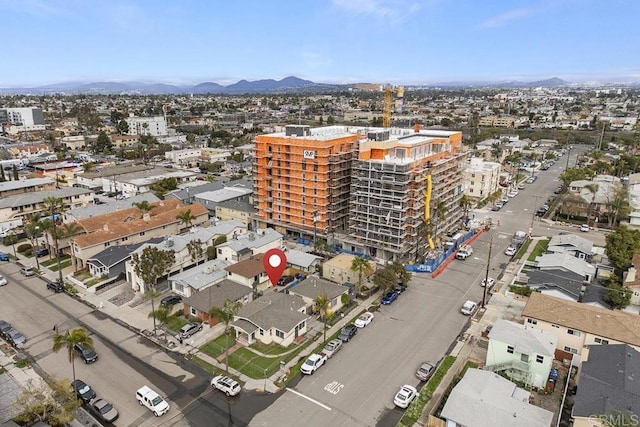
(20,205)
(129,226)
(631,279)
(211,199)
(571,243)
(104,179)
(27,185)
(254,242)
(199,304)
(578,326)
(241,210)
(525,355)
(188,192)
(304,262)
(312,287)
(482,179)
(605,194)
(185,248)
(338,270)
(607,386)
(104,205)
(485,399)
(634,200)
(249,272)
(111,261)
(276,317)
(566,262)
(123,141)
(198,277)
(141,182)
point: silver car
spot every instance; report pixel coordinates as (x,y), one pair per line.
(16,338)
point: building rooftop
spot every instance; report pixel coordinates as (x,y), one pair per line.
(252,240)
(312,287)
(302,259)
(216,295)
(37,197)
(24,183)
(109,204)
(202,275)
(224,194)
(525,341)
(274,310)
(248,268)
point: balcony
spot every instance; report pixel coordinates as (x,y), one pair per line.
(516,365)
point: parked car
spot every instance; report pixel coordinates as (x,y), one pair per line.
(468,308)
(584,228)
(41,252)
(189,329)
(88,355)
(491,281)
(83,391)
(170,300)
(313,363)
(3,280)
(425,371)
(504,199)
(405,396)
(364,319)
(4,256)
(56,287)
(332,348)
(27,271)
(400,288)
(15,338)
(4,328)
(389,297)
(347,333)
(511,250)
(512,193)
(285,280)
(227,385)
(531,179)
(104,410)
(558,190)
(521,186)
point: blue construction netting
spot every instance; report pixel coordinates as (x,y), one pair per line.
(431,265)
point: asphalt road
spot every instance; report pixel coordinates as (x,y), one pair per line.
(126,360)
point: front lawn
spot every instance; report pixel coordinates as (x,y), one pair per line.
(255,366)
(540,249)
(175,322)
(215,348)
(272,349)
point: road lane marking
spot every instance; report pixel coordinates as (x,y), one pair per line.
(308,398)
(334,387)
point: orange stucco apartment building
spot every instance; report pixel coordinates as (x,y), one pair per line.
(364,187)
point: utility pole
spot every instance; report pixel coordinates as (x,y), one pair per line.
(486,275)
(533,215)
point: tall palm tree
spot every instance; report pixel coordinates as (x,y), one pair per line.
(593,189)
(361,266)
(322,306)
(68,340)
(186,218)
(226,314)
(55,206)
(465,204)
(161,315)
(33,231)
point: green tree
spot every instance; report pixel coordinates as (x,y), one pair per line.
(103,143)
(88,167)
(11,239)
(618,206)
(593,189)
(123,127)
(186,218)
(163,186)
(439,215)
(149,266)
(15,172)
(53,403)
(617,296)
(403,276)
(68,340)
(361,266)
(161,315)
(573,174)
(226,314)
(33,231)
(465,204)
(620,247)
(194,247)
(55,206)
(385,278)
(143,206)
(322,306)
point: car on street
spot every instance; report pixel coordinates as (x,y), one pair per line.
(364,319)
(405,396)
(56,287)
(464,252)
(521,187)
(4,328)
(347,333)
(425,371)
(511,250)
(504,199)
(104,410)
(41,252)
(332,348)
(15,338)
(189,329)
(170,300)
(152,400)
(27,271)
(531,179)
(558,190)
(83,390)
(88,355)
(227,385)
(512,193)
(468,308)
(400,288)
(491,281)
(584,228)
(285,280)
(313,363)
(389,297)
(3,280)
(4,256)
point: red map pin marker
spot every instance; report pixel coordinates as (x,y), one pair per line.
(275,262)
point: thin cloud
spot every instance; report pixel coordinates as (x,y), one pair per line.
(315,60)
(380,8)
(505,18)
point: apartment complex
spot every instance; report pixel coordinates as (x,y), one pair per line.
(303,179)
(399,180)
(154,126)
(482,178)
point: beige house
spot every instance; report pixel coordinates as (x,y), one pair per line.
(313,287)
(578,326)
(20,205)
(338,270)
(482,179)
(240,210)
(249,272)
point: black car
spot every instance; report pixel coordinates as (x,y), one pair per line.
(400,288)
(87,354)
(348,332)
(170,300)
(83,390)
(4,328)
(285,280)
(41,252)
(56,287)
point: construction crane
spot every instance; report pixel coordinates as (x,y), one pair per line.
(389,90)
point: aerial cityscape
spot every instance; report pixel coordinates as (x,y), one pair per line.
(350,213)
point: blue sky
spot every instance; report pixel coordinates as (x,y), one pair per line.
(330,41)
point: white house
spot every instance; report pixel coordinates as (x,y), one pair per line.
(254,242)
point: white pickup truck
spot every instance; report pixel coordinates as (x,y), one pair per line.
(464,252)
(152,400)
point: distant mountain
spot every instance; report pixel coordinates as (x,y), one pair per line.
(552,82)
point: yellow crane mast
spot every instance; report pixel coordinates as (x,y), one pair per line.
(389,90)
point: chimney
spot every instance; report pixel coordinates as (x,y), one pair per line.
(146,217)
(105,227)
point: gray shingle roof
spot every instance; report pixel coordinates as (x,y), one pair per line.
(253,239)
(525,341)
(110,204)
(216,295)
(37,197)
(609,381)
(203,275)
(274,310)
(572,241)
(311,287)
(115,254)
(24,183)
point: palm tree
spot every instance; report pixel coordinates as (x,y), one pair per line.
(33,231)
(55,206)
(68,340)
(144,206)
(322,304)
(226,314)
(465,204)
(161,315)
(186,218)
(361,266)
(593,189)
(11,239)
